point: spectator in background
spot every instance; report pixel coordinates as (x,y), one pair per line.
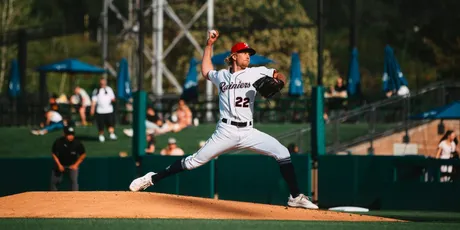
(447,146)
(103,97)
(339,90)
(402,91)
(53,105)
(150,149)
(184,117)
(172,149)
(62,99)
(153,124)
(337,99)
(293,148)
(68,153)
(151,120)
(54,121)
(82,103)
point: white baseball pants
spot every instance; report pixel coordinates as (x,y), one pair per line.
(228,137)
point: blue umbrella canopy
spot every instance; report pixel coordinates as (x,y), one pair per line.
(393,77)
(450,111)
(70,65)
(14,86)
(191,79)
(123,81)
(295,83)
(354,77)
(190,91)
(219,59)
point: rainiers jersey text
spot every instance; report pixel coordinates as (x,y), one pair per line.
(236,93)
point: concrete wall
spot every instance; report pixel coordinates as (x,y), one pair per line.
(425,137)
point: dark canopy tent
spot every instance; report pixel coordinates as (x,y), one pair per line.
(447,112)
(70,65)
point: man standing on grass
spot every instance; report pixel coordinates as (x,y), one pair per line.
(68,153)
(102,106)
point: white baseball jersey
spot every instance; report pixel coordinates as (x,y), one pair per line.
(236,93)
(103,98)
(236,104)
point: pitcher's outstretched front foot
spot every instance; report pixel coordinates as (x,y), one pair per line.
(142,183)
(301,201)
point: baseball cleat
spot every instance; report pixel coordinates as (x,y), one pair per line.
(142,183)
(301,201)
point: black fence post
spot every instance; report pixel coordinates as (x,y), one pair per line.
(442,97)
(406,138)
(370,150)
(22,63)
(43,90)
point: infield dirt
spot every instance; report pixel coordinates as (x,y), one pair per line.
(155,205)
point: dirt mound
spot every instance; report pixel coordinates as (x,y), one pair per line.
(153,205)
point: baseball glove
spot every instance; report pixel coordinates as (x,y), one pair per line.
(268,86)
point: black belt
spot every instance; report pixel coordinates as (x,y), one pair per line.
(237,124)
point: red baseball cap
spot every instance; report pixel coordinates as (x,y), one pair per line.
(243,46)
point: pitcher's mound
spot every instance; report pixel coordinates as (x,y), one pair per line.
(153,205)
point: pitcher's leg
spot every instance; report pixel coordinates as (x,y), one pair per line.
(265,144)
(220,142)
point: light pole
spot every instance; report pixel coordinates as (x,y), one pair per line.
(317,136)
(317,122)
(140,96)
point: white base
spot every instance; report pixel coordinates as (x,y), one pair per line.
(349,209)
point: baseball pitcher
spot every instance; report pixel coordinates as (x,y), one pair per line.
(237,87)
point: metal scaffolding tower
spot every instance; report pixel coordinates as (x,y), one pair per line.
(157,53)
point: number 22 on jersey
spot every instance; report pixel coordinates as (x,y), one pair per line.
(242,102)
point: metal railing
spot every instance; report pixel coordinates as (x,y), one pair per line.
(383,118)
(280,110)
(371,121)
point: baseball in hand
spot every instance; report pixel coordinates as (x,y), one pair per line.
(213,33)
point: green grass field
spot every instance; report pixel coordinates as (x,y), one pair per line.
(139,224)
(19,142)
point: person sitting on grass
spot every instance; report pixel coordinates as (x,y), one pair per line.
(153,125)
(183,116)
(172,149)
(54,121)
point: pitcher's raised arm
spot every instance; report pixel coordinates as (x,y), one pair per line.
(206,63)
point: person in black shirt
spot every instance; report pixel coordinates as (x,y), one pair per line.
(337,98)
(339,90)
(150,144)
(68,153)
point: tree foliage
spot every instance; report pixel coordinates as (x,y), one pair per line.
(14,14)
(423,34)
(277,44)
